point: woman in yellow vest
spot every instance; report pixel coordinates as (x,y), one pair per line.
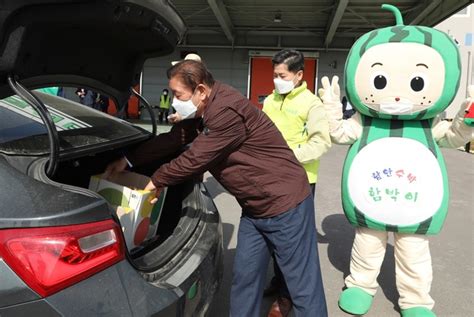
(164,106)
(301,119)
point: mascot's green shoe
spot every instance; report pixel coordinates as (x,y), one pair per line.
(354,300)
(417,312)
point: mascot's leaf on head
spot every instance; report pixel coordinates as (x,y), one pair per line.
(398,78)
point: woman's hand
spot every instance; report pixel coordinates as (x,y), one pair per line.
(115,167)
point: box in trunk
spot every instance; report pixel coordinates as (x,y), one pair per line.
(138,217)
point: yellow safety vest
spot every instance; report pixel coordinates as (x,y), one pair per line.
(290,114)
(165,102)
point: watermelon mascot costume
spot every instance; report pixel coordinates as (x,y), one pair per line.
(398,79)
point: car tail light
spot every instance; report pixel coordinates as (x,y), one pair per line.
(50,259)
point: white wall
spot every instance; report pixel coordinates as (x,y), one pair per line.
(226,65)
(458,26)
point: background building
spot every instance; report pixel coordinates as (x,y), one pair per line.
(235,38)
(461,27)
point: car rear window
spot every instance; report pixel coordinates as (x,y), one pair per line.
(23,132)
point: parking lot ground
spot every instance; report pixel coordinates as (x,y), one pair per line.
(452,250)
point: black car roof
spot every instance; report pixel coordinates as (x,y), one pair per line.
(100,44)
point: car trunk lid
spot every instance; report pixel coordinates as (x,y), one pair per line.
(96,44)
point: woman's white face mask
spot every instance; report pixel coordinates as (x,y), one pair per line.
(283,86)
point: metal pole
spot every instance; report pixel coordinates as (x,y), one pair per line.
(469,72)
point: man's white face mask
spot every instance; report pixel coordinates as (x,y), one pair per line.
(283,86)
(186,109)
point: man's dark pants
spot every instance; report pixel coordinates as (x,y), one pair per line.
(278,282)
(292,237)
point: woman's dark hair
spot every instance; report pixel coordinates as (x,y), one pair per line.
(292,58)
(192,73)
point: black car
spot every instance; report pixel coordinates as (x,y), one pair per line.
(62,250)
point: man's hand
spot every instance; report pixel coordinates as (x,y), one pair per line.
(330,94)
(115,167)
(152,187)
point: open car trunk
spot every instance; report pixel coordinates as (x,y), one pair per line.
(180,216)
(103,47)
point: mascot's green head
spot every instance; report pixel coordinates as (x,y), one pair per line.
(402,72)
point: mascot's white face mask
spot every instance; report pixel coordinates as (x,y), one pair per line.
(396,108)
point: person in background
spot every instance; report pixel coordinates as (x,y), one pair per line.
(61,92)
(164,106)
(245,152)
(86,97)
(101,103)
(81,92)
(301,119)
(188,57)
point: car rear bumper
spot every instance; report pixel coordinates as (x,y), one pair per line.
(187,287)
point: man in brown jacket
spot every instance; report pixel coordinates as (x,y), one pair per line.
(246,153)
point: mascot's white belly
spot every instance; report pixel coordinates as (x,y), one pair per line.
(396,181)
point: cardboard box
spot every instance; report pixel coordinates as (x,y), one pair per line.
(138,217)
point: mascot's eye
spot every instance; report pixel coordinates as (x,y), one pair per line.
(380,82)
(417,83)
(378,79)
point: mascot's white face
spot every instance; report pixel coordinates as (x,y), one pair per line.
(400,78)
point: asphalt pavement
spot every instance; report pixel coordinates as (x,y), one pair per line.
(452,250)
